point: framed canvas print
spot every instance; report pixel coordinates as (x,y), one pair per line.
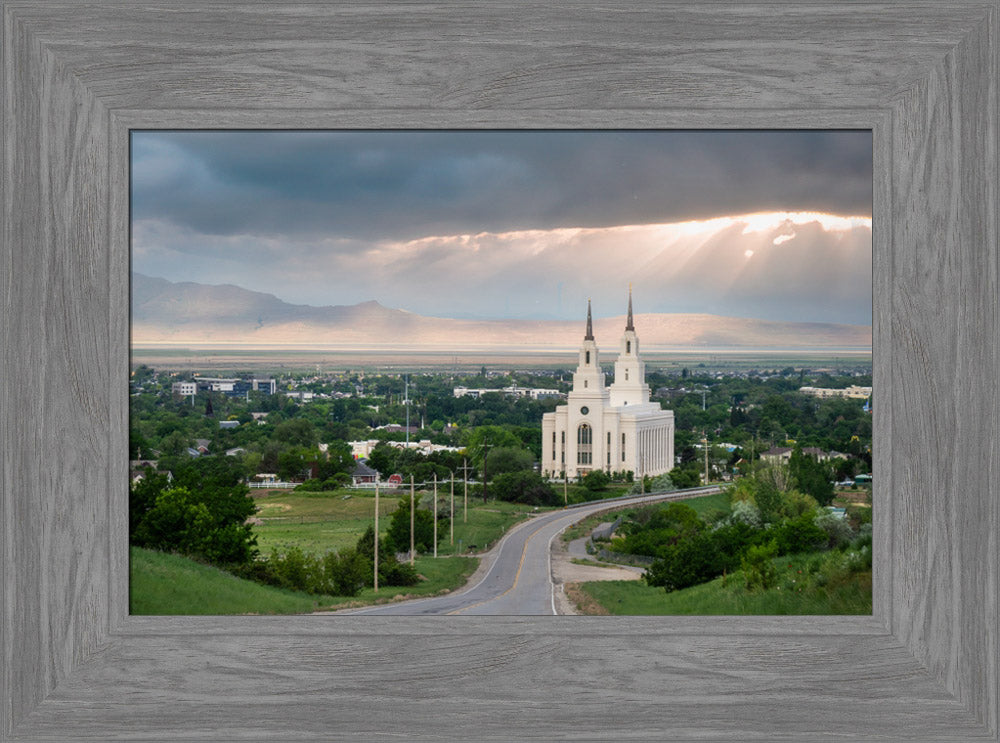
(339,335)
(79,79)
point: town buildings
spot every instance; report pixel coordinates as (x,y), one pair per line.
(853,391)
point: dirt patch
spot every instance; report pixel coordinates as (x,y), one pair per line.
(273,506)
(582,601)
(570,572)
(568,575)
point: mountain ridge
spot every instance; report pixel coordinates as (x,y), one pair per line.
(166,313)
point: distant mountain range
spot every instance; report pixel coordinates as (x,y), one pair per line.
(169,314)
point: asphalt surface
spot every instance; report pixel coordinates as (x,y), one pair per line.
(519,579)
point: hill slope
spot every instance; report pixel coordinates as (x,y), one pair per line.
(166,313)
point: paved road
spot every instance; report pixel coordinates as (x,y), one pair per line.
(519,581)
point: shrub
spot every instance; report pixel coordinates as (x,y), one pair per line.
(596,480)
(345,572)
(745,512)
(799,535)
(662,483)
(293,570)
(758,569)
(390,571)
(836,528)
(795,504)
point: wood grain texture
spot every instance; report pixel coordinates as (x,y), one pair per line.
(78,76)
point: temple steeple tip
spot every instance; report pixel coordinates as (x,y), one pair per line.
(590,325)
(628,323)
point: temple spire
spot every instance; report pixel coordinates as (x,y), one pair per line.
(628,324)
(590,325)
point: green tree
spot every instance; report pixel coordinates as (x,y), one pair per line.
(685,477)
(202,513)
(812,476)
(596,480)
(509,459)
(142,496)
(397,538)
(524,487)
(296,432)
(487,439)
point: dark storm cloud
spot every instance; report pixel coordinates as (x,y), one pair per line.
(404,185)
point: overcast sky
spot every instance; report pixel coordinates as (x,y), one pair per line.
(515,224)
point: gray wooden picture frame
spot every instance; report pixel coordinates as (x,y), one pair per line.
(78,76)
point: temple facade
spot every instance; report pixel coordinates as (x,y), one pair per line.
(614,428)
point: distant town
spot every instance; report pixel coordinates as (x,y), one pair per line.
(757,409)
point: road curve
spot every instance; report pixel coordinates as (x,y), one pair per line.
(519,580)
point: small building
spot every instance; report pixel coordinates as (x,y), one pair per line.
(777,454)
(362,475)
(853,391)
(264,386)
(184,389)
(229,424)
(784,453)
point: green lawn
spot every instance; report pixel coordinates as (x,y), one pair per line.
(319,522)
(794,593)
(705,503)
(171,584)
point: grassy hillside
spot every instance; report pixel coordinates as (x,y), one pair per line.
(702,504)
(170,584)
(813,583)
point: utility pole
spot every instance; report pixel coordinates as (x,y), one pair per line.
(565,488)
(451,520)
(406,402)
(375,561)
(434,512)
(704,443)
(465,488)
(485,452)
(412,551)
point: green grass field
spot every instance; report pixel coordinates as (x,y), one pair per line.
(171,584)
(320,522)
(316,522)
(793,594)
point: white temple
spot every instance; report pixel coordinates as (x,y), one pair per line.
(612,428)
